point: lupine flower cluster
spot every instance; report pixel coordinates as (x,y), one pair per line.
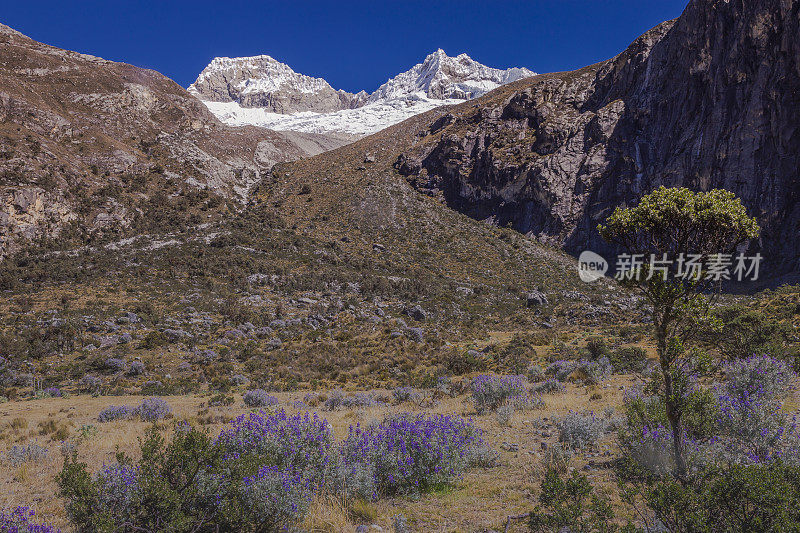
(277,497)
(490,391)
(151,409)
(115,412)
(117,485)
(579,430)
(19,454)
(21,520)
(293,458)
(52,392)
(408,453)
(752,427)
(301,441)
(259,398)
(758,374)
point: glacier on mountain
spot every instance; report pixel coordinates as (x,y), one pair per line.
(264,92)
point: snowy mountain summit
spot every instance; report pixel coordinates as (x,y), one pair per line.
(262,91)
(442,77)
(261,81)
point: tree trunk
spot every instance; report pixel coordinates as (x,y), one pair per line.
(673,413)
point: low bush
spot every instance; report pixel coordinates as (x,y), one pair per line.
(152,409)
(301,441)
(490,391)
(26,453)
(549,386)
(115,412)
(259,398)
(570,504)
(595,372)
(561,369)
(628,359)
(137,368)
(596,347)
(410,453)
(22,520)
(729,497)
(114,364)
(579,430)
(404,394)
(339,400)
(504,415)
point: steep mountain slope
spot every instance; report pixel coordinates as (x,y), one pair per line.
(101,147)
(264,92)
(711,99)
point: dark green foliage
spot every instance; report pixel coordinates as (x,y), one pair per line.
(627,359)
(168,497)
(571,503)
(597,348)
(700,412)
(744,332)
(735,498)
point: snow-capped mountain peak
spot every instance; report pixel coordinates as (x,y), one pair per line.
(262,81)
(442,77)
(262,91)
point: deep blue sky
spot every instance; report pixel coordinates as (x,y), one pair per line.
(352,44)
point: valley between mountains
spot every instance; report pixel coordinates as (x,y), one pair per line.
(331,277)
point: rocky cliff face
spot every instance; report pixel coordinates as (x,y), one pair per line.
(709,100)
(101,147)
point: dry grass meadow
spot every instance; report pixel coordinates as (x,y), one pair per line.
(480,501)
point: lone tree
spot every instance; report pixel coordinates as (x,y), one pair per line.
(677,240)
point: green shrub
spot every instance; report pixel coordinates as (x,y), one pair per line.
(596,347)
(745,332)
(628,359)
(730,498)
(571,504)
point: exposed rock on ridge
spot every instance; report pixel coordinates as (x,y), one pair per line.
(711,99)
(102,147)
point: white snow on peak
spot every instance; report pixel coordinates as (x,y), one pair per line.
(440,76)
(358,122)
(438,80)
(260,74)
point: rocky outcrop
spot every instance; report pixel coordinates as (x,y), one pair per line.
(104,147)
(709,100)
